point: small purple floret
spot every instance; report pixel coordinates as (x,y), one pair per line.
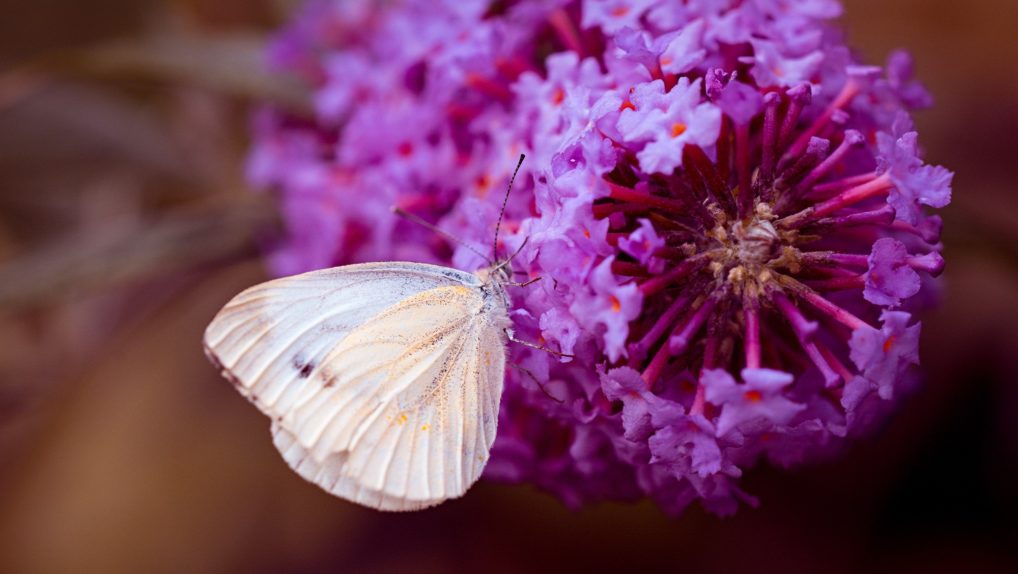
(759,397)
(890,277)
(884,355)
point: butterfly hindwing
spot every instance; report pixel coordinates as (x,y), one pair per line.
(404,414)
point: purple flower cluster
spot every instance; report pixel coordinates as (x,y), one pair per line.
(728,213)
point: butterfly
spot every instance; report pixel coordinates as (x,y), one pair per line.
(382,380)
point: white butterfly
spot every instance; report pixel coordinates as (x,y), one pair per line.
(383,380)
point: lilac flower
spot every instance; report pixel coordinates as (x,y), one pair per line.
(862,403)
(614,15)
(883,355)
(624,384)
(760,396)
(712,188)
(667,122)
(689,443)
(900,79)
(915,184)
(737,100)
(636,57)
(608,308)
(683,49)
(643,244)
(890,278)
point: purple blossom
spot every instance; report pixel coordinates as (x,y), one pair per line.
(702,198)
(642,245)
(738,101)
(683,49)
(915,183)
(900,79)
(607,308)
(760,396)
(884,355)
(861,402)
(625,385)
(638,57)
(667,122)
(688,445)
(614,15)
(890,277)
(798,441)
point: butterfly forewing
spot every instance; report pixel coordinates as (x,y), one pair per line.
(269,338)
(383,380)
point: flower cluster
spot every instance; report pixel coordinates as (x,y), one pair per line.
(728,213)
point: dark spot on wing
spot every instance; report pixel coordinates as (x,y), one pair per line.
(328,378)
(450,274)
(303,367)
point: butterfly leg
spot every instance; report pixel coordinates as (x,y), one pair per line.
(524,284)
(513,338)
(518,249)
(507,263)
(540,385)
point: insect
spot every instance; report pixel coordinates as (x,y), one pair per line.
(382,380)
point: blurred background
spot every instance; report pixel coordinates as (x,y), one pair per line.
(125,224)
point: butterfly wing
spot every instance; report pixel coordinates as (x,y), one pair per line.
(268,339)
(407,406)
(397,408)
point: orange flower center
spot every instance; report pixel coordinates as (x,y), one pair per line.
(888,344)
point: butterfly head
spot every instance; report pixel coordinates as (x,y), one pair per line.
(499,273)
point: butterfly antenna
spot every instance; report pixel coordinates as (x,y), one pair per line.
(431,227)
(505,201)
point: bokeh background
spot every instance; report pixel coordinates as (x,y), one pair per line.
(125,224)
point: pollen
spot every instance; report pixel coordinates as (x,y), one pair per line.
(678,128)
(558,96)
(620,11)
(425,427)
(616,304)
(753,396)
(627,105)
